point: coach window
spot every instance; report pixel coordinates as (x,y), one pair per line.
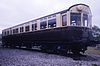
(21,29)
(7,32)
(75,19)
(64,20)
(35,27)
(43,25)
(52,23)
(10,31)
(16,30)
(85,20)
(27,28)
(13,31)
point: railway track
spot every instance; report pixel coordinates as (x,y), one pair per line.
(70,55)
(15,57)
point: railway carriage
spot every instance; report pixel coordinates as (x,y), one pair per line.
(65,31)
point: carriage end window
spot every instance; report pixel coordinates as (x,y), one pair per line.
(75,19)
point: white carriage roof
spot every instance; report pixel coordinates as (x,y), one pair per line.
(48,15)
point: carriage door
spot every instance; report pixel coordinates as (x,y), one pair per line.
(75,19)
(64,20)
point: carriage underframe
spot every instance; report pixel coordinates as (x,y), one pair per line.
(58,40)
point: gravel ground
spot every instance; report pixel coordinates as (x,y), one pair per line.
(17,57)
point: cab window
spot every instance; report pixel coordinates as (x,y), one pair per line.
(75,19)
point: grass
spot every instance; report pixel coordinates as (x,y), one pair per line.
(93,50)
(94,65)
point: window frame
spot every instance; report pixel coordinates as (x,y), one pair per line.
(43,24)
(34,27)
(27,28)
(21,29)
(75,21)
(52,23)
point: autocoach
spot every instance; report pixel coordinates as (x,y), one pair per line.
(65,31)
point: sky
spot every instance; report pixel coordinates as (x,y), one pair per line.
(14,12)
